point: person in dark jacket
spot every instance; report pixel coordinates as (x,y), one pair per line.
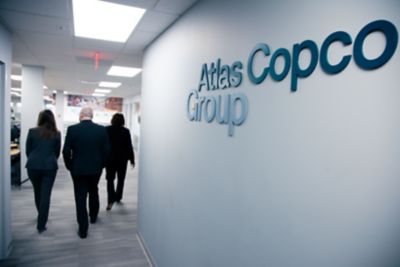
(43,146)
(85,153)
(121,152)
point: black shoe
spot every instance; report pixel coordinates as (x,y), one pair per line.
(93,220)
(109,206)
(41,230)
(82,235)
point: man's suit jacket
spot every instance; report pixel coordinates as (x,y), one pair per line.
(121,146)
(42,154)
(86,149)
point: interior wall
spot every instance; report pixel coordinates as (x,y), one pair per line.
(5,182)
(310,178)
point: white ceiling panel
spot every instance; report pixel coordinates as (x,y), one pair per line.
(174,6)
(21,53)
(54,60)
(35,23)
(129,60)
(138,41)
(146,4)
(89,56)
(155,22)
(57,8)
(52,41)
(97,45)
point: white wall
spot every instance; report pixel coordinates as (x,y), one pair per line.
(310,179)
(5,210)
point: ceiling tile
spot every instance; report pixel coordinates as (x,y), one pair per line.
(174,6)
(155,22)
(97,45)
(50,49)
(49,41)
(129,60)
(138,41)
(104,57)
(21,53)
(59,8)
(43,35)
(147,4)
(35,23)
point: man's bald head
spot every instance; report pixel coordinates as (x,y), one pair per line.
(86,114)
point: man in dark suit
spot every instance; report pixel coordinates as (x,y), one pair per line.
(85,154)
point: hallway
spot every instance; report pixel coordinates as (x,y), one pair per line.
(112,241)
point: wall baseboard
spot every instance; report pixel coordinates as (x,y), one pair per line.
(145,249)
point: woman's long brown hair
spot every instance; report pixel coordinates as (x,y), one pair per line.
(47,123)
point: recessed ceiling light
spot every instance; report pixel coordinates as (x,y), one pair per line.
(109,84)
(123,71)
(16,77)
(104,91)
(96,94)
(65,92)
(16,89)
(54,92)
(104,20)
(45,87)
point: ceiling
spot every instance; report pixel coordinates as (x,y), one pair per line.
(43,35)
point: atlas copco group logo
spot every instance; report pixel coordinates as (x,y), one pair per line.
(209,103)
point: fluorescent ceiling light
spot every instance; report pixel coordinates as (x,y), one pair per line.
(16,89)
(45,87)
(109,84)
(16,77)
(104,91)
(65,92)
(54,92)
(96,94)
(123,71)
(104,20)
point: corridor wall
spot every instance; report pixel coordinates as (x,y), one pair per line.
(5,72)
(310,178)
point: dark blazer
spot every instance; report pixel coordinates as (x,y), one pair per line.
(86,149)
(121,146)
(42,153)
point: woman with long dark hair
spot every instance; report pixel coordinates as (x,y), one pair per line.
(43,146)
(121,152)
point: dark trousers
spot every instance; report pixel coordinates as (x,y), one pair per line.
(42,181)
(120,171)
(84,185)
